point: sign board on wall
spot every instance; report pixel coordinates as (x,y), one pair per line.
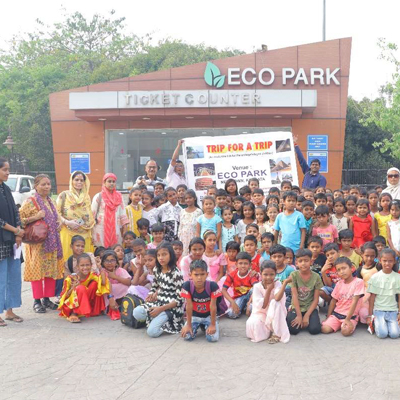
(322,157)
(268,156)
(317,142)
(79,162)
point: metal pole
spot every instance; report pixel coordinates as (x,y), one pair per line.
(324,21)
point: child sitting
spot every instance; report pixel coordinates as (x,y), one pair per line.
(82,293)
(143,278)
(143,225)
(346,300)
(303,313)
(267,240)
(329,274)
(291,223)
(268,315)
(307,208)
(119,251)
(139,248)
(78,248)
(383,307)
(119,278)
(163,309)
(346,237)
(232,250)
(201,298)
(325,230)
(158,232)
(177,245)
(242,283)
(380,243)
(289,258)
(318,258)
(250,247)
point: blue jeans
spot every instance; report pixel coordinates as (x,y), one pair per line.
(385,323)
(10,284)
(154,329)
(242,304)
(206,322)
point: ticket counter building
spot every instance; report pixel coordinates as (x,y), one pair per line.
(117,126)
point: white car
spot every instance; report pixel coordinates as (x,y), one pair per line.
(21,187)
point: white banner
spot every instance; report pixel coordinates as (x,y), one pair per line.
(212,160)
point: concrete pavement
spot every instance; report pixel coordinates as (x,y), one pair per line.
(46,357)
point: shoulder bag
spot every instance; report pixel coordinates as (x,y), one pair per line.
(36,232)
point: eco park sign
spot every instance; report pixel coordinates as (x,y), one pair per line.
(266,76)
(218,96)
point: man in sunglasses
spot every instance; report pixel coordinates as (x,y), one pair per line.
(312,177)
(393,183)
(150,178)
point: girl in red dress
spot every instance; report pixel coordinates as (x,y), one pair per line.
(362,224)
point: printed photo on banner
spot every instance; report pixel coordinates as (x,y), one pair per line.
(268,156)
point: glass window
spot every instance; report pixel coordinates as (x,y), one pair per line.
(24,183)
(128,150)
(12,183)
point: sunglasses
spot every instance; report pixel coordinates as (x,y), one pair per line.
(393,176)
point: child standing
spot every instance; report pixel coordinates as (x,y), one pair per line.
(291,223)
(318,258)
(169,215)
(267,240)
(261,219)
(196,251)
(238,202)
(232,250)
(257,197)
(163,309)
(248,218)
(362,224)
(346,300)
(373,198)
(188,220)
(201,298)
(149,211)
(228,231)
(326,231)
(216,262)
(129,238)
(82,293)
(272,213)
(250,247)
(278,255)
(346,237)
(143,227)
(158,236)
(242,283)
(209,220)
(306,284)
(350,202)
(393,227)
(181,193)
(268,315)
(339,220)
(134,209)
(383,307)
(383,216)
(220,201)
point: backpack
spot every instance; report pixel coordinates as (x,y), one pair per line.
(222,307)
(129,303)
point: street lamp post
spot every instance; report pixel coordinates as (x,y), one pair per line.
(9,143)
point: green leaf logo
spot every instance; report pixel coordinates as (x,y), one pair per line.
(213,77)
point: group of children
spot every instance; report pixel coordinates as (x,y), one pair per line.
(278,259)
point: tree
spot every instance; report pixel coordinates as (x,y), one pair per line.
(73,53)
(385,111)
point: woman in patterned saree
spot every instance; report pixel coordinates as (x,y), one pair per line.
(74,208)
(44,261)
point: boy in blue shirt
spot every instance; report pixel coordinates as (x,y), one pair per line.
(291,223)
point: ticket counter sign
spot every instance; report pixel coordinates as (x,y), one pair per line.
(268,156)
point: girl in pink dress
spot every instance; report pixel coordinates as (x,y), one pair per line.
(119,278)
(196,251)
(216,261)
(143,278)
(268,316)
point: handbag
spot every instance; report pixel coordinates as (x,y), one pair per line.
(36,232)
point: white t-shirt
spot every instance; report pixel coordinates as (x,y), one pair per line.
(173,179)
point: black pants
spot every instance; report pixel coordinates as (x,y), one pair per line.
(314,326)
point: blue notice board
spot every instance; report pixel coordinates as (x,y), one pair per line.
(322,157)
(79,162)
(317,142)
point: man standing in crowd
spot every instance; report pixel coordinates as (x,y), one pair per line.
(312,177)
(175,172)
(150,178)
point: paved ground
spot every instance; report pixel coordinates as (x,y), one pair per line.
(46,357)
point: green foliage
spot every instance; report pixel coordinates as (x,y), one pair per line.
(359,143)
(73,53)
(385,111)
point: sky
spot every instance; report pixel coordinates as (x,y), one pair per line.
(239,24)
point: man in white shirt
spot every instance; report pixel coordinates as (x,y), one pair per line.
(175,172)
